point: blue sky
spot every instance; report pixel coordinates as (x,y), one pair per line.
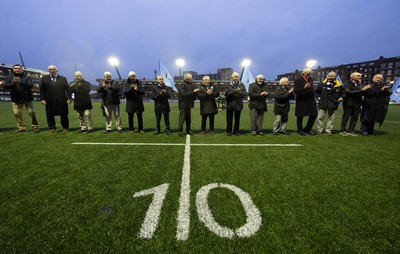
(278,36)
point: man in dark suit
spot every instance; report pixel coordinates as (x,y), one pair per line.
(305,102)
(54,94)
(186,96)
(352,99)
(235,92)
(160,95)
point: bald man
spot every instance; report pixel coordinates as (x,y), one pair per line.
(235,92)
(82,102)
(258,93)
(55,95)
(110,97)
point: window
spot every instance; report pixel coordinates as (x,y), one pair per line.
(398,64)
(390,65)
(383,66)
(389,72)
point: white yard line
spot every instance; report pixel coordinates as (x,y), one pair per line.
(183,219)
(176,144)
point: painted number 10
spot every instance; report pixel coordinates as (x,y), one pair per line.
(253,215)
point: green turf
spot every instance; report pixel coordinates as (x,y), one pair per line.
(331,195)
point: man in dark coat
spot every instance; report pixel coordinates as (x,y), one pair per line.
(373,107)
(82,102)
(55,95)
(234,92)
(20,86)
(329,95)
(186,95)
(133,91)
(352,99)
(160,95)
(258,93)
(208,107)
(110,96)
(305,102)
(282,106)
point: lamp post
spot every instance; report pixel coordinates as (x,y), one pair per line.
(245,63)
(311,63)
(180,63)
(115,62)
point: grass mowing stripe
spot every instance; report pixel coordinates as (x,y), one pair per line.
(182,231)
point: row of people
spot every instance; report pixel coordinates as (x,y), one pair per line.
(55,94)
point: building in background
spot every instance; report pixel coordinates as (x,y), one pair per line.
(388,67)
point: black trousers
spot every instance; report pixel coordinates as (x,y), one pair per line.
(51,121)
(166,121)
(310,123)
(204,121)
(140,121)
(229,120)
(185,116)
(351,113)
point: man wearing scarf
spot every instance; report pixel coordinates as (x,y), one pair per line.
(329,94)
(305,102)
(21,94)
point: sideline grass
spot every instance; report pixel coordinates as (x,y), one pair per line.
(333,194)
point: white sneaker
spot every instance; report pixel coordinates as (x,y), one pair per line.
(344,133)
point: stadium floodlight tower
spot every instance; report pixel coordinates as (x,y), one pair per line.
(311,63)
(180,63)
(115,62)
(245,63)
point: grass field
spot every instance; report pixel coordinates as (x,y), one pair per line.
(323,194)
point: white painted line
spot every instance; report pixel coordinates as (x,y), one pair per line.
(152,218)
(247,145)
(253,220)
(391,122)
(183,219)
(127,144)
(177,144)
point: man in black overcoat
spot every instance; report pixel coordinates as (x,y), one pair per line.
(55,95)
(160,95)
(305,102)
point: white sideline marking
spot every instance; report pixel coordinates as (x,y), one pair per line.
(392,121)
(182,231)
(177,144)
